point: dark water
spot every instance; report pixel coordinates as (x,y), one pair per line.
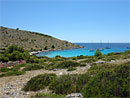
(114,47)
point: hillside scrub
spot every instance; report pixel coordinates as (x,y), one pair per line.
(33,67)
(62,65)
(4,69)
(14,53)
(39,82)
(12,73)
(101,80)
(109,83)
(32,40)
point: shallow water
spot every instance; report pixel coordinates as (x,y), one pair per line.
(114,47)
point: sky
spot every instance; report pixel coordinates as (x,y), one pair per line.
(71,20)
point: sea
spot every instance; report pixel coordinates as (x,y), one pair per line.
(87,50)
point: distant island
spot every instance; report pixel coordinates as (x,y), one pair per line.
(32,41)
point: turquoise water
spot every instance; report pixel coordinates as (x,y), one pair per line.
(115,47)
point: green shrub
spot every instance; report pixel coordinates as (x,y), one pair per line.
(33,59)
(80,57)
(74,58)
(127,52)
(71,69)
(89,60)
(98,53)
(13,48)
(39,82)
(67,84)
(109,83)
(42,95)
(33,67)
(4,59)
(64,84)
(17,67)
(4,69)
(66,64)
(82,65)
(12,73)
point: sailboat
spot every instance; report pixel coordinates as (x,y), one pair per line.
(91,50)
(101,49)
(108,46)
(128,46)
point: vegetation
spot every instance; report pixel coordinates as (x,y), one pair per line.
(101,80)
(67,64)
(33,67)
(39,82)
(14,53)
(12,73)
(109,83)
(98,53)
(4,69)
(31,40)
(71,69)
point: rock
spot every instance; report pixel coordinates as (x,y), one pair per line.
(74,95)
(55,69)
(60,73)
(100,62)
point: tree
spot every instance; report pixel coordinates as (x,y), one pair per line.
(53,46)
(46,48)
(98,53)
(14,48)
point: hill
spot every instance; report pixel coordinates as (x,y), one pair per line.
(31,40)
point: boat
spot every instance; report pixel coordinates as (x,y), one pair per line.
(91,50)
(128,47)
(108,46)
(100,49)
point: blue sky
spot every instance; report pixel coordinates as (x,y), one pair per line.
(72,20)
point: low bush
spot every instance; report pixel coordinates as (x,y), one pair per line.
(80,57)
(71,69)
(12,73)
(67,84)
(39,82)
(67,64)
(17,67)
(74,58)
(33,67)
(112,81)
(89,60)
(4,69)
(82,65)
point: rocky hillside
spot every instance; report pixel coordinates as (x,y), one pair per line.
(31,40)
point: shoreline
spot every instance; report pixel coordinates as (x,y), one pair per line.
(37,52)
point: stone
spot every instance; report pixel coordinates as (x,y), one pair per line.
(74,95)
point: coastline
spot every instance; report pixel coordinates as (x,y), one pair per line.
(37,52)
